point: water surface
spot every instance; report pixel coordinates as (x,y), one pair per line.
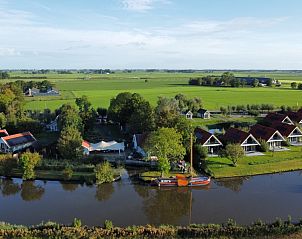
(126,202)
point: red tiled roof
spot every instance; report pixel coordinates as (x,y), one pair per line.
(202,135)
(234,135)
(19,139)
(262,132)
(284,129)
(14,136)
(86,144)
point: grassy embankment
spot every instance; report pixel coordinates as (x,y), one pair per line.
(279,229)
(101,88)
(269,163)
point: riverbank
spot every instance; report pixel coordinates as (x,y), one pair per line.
(59,175)
(271,162)
(259,229)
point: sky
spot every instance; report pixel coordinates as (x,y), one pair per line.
(141,34)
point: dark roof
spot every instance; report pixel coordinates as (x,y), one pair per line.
(202,111)
(262,132)
(202,135)
(284,129)
(234,135)
(19,139)
(274,117)
(295,116)
(3,133)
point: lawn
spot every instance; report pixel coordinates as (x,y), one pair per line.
(269,163)
(101,88)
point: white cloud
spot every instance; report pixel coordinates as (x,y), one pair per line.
(6,51)
(142,5)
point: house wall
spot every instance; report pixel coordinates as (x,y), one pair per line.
(3,147)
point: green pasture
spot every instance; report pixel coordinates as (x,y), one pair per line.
(247,166)
(101,88)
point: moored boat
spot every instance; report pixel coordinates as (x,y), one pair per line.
(182,181)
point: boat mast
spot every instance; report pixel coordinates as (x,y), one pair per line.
(191,154)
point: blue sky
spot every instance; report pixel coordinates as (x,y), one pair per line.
(176,34)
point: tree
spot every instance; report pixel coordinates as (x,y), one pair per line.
(255,83)
(2,120)
(87,113)
(164,165)
(28,161)
(69,117)
(294,85)
(166,144)
(234,152)
(200,153)
(185,128)
(269,82)
(166,112)
(104,173)
(70,143)
(132,110)
(300,86)
(227,78)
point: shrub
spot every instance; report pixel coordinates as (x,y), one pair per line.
(28,161)
(264,147)
(67,173)
(104,173)
(108,225)
(7,163)
(234,152)
(77,223)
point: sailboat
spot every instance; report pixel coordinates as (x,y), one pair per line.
(181,180)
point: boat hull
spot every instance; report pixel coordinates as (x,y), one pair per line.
(182,182)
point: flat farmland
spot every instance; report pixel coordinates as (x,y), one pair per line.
(101,88)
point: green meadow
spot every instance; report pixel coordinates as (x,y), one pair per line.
(101,88)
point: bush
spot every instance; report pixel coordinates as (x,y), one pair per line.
(104,173)
(264,147)
(28,161)
(108,225)
(234,152)
(67,173)
(77,223)
(7,163)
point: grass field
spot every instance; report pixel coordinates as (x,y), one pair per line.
(247,166)
(101,88)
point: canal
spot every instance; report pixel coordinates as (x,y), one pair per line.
(126,202)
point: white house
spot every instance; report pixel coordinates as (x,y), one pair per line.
(16,142)
(189,115)
(204,114)
(208,140)
(53,125)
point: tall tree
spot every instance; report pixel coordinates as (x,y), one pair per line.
(227,78)
(28,161)
(87,112)
(69,117)
(166,143)
(166,112)
(70,143)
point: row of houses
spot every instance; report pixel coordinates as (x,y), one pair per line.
(276,130)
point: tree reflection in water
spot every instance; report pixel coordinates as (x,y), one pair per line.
(30,191)
(8,187)
(104,191)
(167,205)
(70,187)
(234,184)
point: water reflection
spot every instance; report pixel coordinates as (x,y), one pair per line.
(234,184)
(70,187)
(166,204)
(30,191)
(8,187)
(104,191)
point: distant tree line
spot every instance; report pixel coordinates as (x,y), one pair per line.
(229,80)
(4,75)
(295,85)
